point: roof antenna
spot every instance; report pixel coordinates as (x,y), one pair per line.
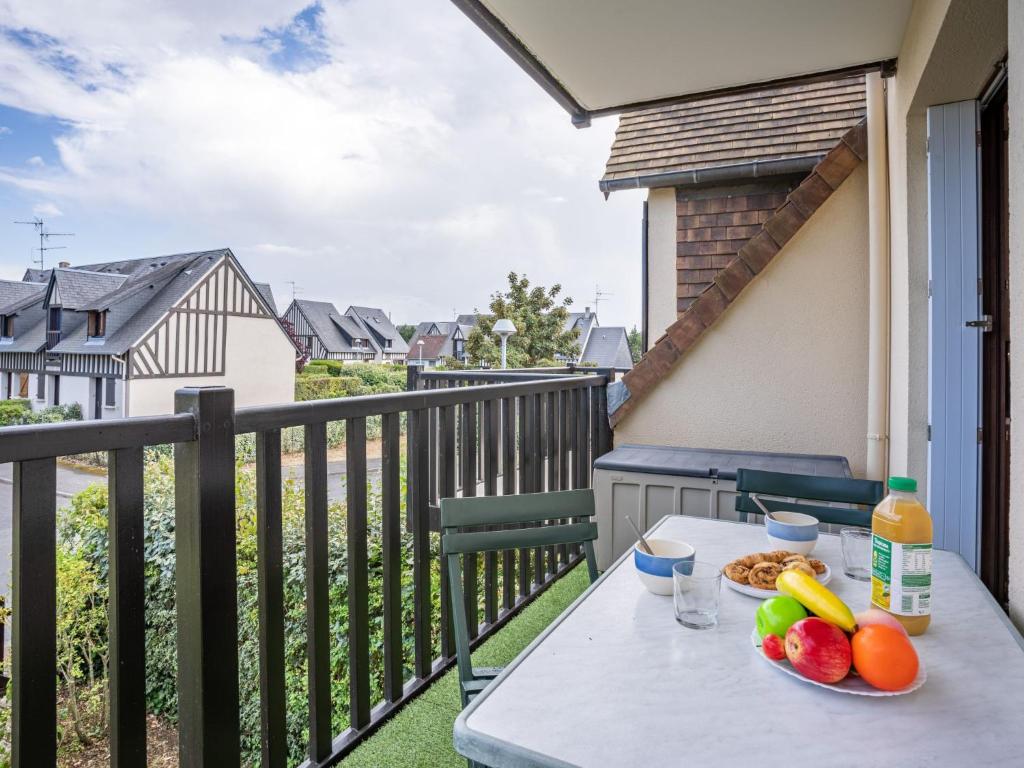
(295,288)
(44,236)
(599,296)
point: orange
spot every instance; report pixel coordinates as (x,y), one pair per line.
(884,657)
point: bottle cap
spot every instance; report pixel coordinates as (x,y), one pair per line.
(903,484)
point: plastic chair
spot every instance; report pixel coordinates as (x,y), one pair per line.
(807,489)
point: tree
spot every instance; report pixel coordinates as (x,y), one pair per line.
(540,319)
(636,348)
(406,331)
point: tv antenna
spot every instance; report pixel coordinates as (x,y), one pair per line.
(295,288)
(44,237)
(599,296)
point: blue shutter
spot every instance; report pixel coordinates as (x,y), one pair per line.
(954,375)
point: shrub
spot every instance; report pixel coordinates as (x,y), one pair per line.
(13,411)
(20,412)
(82,564)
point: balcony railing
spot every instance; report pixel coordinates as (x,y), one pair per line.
(489,432)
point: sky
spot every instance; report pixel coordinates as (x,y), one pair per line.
(375,152)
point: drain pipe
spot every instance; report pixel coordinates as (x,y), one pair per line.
(878,280)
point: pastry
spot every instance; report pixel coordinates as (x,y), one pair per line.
(764,574)
(817,565)
(736,572)
(778,556)
(796,565)
(794,559)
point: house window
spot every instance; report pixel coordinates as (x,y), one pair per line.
(53,327)
(387,343)
(22,385)
(110,400)
(97,327)
(7,326)
(40,386)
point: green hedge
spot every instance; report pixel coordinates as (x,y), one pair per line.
(20,412)
(83,547)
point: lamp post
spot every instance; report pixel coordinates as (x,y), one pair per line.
(419,343)
(504,328)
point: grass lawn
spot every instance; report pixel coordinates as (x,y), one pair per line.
(421,733)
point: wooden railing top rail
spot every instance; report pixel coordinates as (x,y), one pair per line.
(261,418)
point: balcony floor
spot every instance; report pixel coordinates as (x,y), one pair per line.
(421,734)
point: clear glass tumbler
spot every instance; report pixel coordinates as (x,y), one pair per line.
(856,553)
(696,587)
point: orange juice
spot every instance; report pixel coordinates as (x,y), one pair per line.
(901,556)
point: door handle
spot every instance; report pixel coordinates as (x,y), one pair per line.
(984,323)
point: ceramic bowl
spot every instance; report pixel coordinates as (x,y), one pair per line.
(792,531)
(655,571)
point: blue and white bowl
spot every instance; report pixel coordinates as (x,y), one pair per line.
(655,571)
(792,531)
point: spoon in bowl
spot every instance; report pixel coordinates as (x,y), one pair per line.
(643,542)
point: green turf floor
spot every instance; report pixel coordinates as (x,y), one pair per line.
(421,733)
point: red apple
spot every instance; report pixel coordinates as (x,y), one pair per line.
(773,647)
(818,650)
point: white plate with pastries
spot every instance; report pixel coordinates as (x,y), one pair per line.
(753,591)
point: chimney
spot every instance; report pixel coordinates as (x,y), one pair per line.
(63,264)
(586,310)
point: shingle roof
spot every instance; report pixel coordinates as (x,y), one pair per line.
(380,326)
(16,293)
(327,323)
(78,288)
(268,295)
(433,348)
(750,260)
(790,127)
(608,347)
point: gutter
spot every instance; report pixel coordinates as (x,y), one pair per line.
(754,169)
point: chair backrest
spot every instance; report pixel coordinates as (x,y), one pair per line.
(808,489)
(542,520)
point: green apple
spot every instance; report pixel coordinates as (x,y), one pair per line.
(777,614)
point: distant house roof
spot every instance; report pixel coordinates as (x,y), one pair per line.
(608,347)
(780,130)
(16,293)
(77,288)
(449,329)
(381,328)
(268,295)
(334,329)
(433,348)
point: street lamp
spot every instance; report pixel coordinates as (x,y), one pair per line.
(504,328)
(419,343)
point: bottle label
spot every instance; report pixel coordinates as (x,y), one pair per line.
(901,577)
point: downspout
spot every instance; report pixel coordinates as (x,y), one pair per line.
(124,378)
(878,281)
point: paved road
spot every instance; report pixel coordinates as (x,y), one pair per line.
(69,482)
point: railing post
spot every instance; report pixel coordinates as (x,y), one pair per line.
(206,582)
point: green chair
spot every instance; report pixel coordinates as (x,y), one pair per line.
(808,489)
(566,518)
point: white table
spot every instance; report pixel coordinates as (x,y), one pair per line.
(615,681)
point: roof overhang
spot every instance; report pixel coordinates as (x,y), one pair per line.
(599,57)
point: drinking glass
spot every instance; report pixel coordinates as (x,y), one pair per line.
(856,553)
(696,587)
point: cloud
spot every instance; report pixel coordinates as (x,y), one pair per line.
(46,209)
(4,130)
(380,152)
(36,161)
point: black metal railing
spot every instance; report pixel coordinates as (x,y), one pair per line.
(499,433)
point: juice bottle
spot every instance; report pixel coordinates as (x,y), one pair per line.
(901,556)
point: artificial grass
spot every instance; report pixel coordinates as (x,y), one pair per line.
(420,735)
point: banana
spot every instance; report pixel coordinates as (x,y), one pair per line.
(816,598)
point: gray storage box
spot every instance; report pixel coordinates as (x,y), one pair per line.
(648,482)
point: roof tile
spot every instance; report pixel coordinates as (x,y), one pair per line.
(733,279)
(785,223)
(758,251)
(837,165)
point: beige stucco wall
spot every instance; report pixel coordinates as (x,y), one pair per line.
(1016,110)
(259,366)
(661,262)
(785,368)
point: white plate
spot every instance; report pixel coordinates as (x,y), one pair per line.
(852,684)
(764,594)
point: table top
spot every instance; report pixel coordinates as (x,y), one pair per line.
(616,681)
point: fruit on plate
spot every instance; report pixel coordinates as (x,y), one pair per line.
(873,616)
(816,598)
(774,647)
(884,657)
(818,650)
(777,614)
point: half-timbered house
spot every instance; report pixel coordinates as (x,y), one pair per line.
(119,338)
(359,335)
